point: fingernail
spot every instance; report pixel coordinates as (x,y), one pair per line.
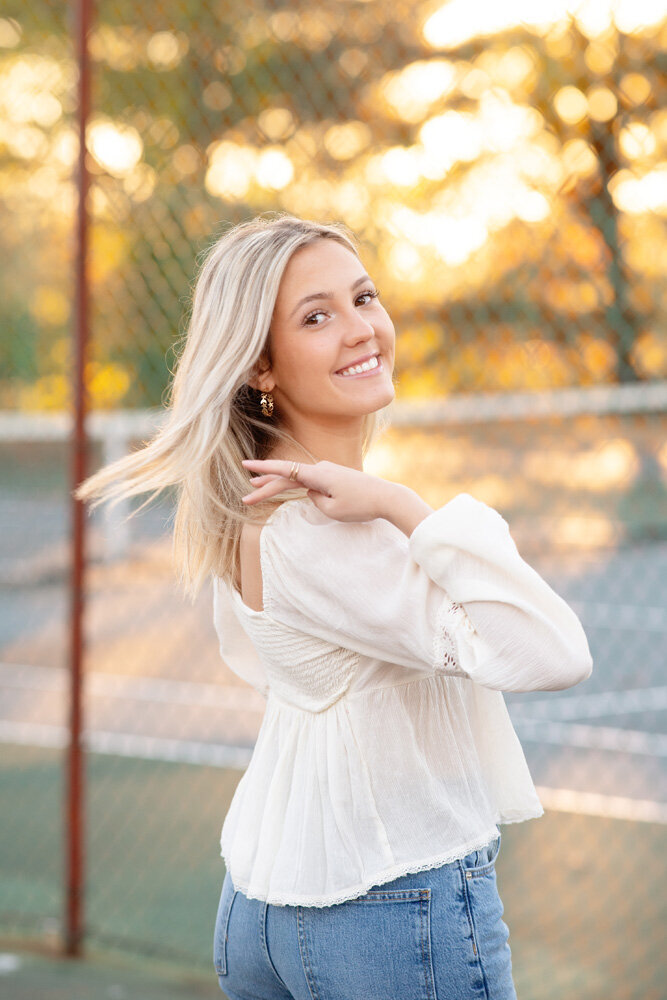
(247,496)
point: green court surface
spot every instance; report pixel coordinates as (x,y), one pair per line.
(581,894)
(36,976)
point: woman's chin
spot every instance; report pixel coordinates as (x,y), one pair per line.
(375,401)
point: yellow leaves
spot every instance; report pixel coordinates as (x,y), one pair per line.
(649,354)
(598,356)
(584,245)
(502,362)
(419,384)
(107,384)
(50,392)
(533,364)
(575,297)
(50,306)
(109,247)
(418,343)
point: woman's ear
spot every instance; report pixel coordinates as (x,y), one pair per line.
(261,378)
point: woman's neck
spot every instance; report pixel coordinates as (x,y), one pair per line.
(343,449)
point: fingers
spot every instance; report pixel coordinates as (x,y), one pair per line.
(273,477)
(260,480)
(270,489)
(269,465)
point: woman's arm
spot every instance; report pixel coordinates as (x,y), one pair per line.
(401,505)
(464,572)
(528,632)
(341,493)
(523,635)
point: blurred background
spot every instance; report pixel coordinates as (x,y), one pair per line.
(505,167)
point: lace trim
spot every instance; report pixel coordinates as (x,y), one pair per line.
(452,618)
(390,874)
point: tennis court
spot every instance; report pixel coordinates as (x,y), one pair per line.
(170,729)
(503,168)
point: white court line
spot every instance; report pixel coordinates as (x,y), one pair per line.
(158,689)
(593,804)
(216,755)
(595,704)
(573,734)
(9,963)
(529,718)
(127,745)
(535,730)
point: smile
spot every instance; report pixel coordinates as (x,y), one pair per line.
(370,367)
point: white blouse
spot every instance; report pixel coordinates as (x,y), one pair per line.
(386,746)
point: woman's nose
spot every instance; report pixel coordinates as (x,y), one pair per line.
(358,329)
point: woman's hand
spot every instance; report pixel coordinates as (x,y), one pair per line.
(341,493)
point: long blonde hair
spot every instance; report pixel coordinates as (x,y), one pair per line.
(213,417)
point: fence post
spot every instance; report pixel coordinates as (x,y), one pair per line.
(74,833)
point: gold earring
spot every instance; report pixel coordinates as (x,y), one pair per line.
(267,404)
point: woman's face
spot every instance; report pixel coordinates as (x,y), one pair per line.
(343,323)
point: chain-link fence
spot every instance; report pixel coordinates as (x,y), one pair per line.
(506,173)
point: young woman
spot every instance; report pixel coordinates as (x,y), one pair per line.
(361,842)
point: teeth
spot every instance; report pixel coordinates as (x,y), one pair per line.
(365,367)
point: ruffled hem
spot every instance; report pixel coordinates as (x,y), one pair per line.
(327,806)
(388,875)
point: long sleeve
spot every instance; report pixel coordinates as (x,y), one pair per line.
(456,597)
(524,636)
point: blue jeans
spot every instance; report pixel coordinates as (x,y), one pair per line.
(431,935)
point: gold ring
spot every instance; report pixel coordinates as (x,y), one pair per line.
(294,472)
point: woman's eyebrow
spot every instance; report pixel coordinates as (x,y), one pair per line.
(326,295)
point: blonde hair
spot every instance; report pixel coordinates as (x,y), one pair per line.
(213,418)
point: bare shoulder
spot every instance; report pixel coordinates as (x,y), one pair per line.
(250,569)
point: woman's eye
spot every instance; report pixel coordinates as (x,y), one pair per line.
(320,312)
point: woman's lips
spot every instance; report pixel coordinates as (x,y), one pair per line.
(371,371)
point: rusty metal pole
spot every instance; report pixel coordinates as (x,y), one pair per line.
(75,830)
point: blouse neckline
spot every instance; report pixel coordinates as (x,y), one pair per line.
(236,595)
